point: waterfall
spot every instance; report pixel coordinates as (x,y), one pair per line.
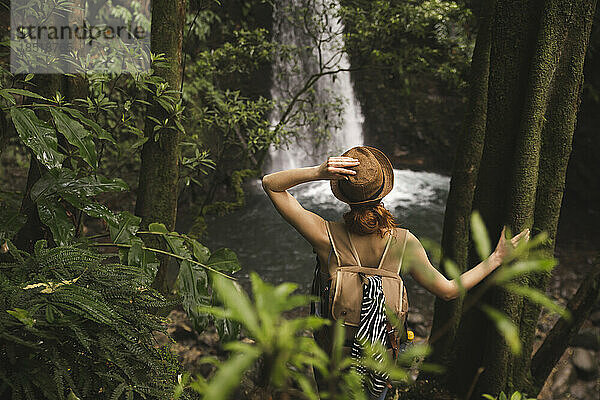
(291,73)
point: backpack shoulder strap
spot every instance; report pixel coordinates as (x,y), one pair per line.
(392,260)
(354,252)
(404,240)
(343,247)
(385,250)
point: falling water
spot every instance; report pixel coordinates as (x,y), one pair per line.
(291,74)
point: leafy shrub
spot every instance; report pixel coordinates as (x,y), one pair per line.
(503,396)
(73,325)
(280,352)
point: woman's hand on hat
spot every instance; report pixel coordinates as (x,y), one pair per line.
(506,246)
(337,168)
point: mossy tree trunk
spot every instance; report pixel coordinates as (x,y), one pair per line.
(528,84)
(455,238)
(159,172)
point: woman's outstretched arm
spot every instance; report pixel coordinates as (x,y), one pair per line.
(310,225)
(434,281)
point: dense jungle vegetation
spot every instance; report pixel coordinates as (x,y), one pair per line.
(107,180)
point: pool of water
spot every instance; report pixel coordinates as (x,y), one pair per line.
(267,244)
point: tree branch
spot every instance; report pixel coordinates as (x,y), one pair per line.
(558,338)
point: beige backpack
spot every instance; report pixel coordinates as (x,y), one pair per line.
(342,287)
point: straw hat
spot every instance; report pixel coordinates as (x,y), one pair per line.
(373,180)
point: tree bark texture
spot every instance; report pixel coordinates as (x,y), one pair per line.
(455,237)
(534,78)
(159,172)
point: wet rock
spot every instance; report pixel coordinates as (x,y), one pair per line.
(562,378)
(210,337)
(420,330)
(580,390)
(585,363)
(415,318)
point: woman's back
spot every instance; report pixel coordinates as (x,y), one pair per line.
(365,250)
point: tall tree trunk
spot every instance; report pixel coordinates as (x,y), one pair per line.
(455,238)
(556,145)
(33,230)
(535,70)
(159,172)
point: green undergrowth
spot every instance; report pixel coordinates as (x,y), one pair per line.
(74,326)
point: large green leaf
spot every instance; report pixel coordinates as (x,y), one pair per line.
(38,136)
(226,379)
(156,227)
(201,253)
(77,135)
(65,183)
(124,227)
(224,260)
(144,259)
(100,132)
(24,92)
(54,216)
(238,304)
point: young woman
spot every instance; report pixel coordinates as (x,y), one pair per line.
(361,177)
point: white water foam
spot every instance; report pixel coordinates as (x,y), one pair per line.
(411,188)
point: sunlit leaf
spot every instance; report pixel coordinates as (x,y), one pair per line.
(454,273)
(505,326)
(227,376)
(540,298)
(22,315)
(519,268)
(157,228)
(238,302)
(480,236)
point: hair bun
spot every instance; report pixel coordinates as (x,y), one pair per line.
(365,220)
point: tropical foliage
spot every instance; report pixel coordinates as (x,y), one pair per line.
(76,325)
